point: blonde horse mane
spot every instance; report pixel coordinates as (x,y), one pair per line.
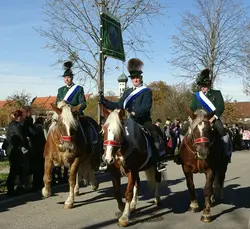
(199,117)
(114,123)
(67,116)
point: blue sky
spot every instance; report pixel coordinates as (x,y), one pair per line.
(26,65)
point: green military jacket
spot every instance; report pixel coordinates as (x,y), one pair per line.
(215,97)
(79,97)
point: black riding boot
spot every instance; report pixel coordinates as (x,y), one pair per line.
(160,166)
(177,159)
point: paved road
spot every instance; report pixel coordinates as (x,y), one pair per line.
(97,209)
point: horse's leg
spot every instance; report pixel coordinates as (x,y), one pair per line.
(124,219)
(72,182)
(116,181)
(48,166)
(208,190)
(76,189)
(135,195)
(154,181)
(157,200)
(193,207)
(219,184)
(92,180)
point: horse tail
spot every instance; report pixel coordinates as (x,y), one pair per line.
(87,173)
(150,174)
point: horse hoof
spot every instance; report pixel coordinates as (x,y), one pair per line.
(77,193)
(46,193)
(68,206)
(95,187)
(157,203)
(206,218)
(123,222)
(194,210)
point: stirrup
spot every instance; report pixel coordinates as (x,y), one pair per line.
(161,167)
(103,167)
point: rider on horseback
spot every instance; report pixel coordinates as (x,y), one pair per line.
(210,100)
(138,104)
(73,94)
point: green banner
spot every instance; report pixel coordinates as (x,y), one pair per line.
(112,44)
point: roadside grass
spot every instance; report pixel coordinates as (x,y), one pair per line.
(4,165)
(3,187)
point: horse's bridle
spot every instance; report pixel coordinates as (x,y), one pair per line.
(112,143)
(66,138)
(201,140)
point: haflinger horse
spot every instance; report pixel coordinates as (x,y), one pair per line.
(126,159)
(68,144)
(201,152)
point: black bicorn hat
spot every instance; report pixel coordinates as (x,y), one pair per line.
(135,67)
(68,71)
(203,78)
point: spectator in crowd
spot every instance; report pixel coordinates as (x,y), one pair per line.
(158,122)
(246,138)
(17,151)
(175,129)
(37,160)
(29,130)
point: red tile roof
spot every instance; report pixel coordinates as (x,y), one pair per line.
(44,102)
(2,103)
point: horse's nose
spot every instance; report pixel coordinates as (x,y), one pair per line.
(110,161)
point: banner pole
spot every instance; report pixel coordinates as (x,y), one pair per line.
(100,81)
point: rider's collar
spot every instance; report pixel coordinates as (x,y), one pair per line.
(69,86)
(137,87)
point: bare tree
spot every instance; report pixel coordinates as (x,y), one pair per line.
(214,38)
(18,99)
(73,28)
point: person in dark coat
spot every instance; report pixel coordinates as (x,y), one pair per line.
(212,101)
(138,102)
(38,142)
(17,150)
(73,94)
(29,130)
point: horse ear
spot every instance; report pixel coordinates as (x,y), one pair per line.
(106,112)
(191,114)
(121,114)
(210,115)
(56,109)
(76,108)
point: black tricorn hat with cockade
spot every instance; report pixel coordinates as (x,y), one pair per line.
(67,66)
(135,67)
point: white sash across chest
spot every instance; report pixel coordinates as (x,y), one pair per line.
(71,92)
(134,94)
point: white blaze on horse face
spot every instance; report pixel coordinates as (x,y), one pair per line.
(108,156)
(67,128)
(201,127)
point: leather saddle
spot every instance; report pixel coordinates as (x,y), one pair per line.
(135,134)
(88,129)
